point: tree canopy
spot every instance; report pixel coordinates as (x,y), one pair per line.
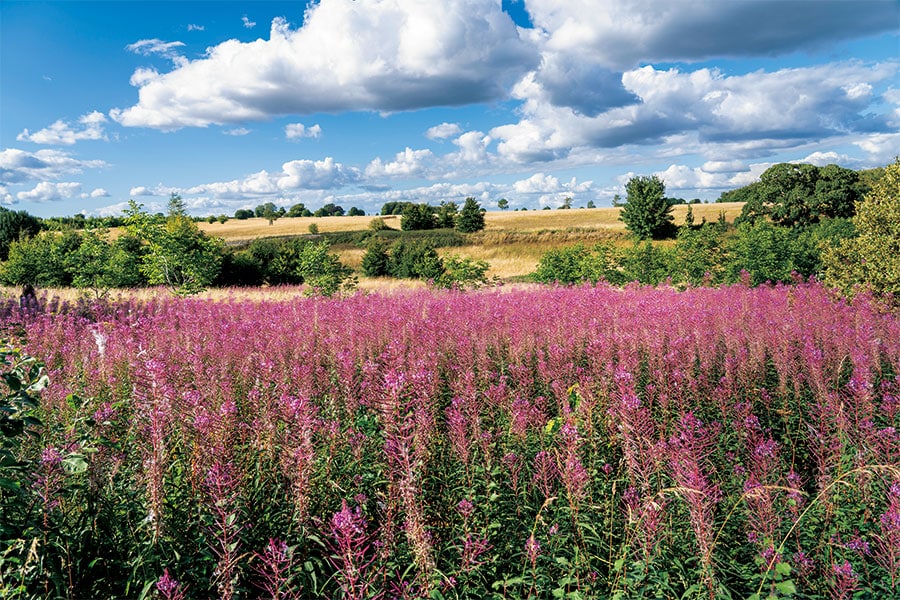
(646,213)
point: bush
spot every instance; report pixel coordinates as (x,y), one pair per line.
(376,260)
(417,260)
(577,264)
(463,272)
(417,217)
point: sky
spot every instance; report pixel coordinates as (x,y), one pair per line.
(362,102)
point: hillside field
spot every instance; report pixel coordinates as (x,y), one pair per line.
(512,241)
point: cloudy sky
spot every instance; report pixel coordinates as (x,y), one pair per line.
(360,102)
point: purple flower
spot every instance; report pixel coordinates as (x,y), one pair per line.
(465,508)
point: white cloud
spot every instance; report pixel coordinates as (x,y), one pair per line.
(298,130)
(237,131)
(158,47)
(99,193)
(295,175)
(46,191)
(386,56)
(882,148)
(443,131)
(247,22)
(19,166)
(61,133)
(409,163)
(193,27)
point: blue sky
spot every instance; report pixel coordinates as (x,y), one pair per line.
(360,102)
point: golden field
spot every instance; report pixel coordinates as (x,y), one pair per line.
(512,241)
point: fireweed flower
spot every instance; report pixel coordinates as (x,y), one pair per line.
(532,550)
(845,580)
(169,587)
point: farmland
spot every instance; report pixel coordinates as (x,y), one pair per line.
(580,442)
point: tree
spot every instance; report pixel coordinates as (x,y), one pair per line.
(15,225)
(416,217)
(242,214)
(645,212)
(376,260)
(356,212)
(503,204)
(801,194)
(872,259)
(446,215)
(178,254)
(329,210)
(566,204)
(299,210)
(471,217)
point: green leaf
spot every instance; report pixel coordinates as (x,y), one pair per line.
(786,588)
(783,569)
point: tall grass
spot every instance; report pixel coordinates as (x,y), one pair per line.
(587,442)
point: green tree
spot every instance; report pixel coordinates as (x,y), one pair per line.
(41,260)
(15,225)
(356,212)
(647,263)
(417,217)
(471,217)
(463,272)
(299,210)
(802,194)
(329,210)
(763,250)
(566,204)
(645,212)
(446,215)
(577,264)
(415,261)
(243,214)
(699,255)
(503,204)
(376,260)
(872,259)
(178,255)
(322,271)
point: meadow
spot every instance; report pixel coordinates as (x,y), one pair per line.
(516,442)
(512,242)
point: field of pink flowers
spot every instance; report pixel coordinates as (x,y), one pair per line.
(581,442)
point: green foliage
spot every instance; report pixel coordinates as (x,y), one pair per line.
(699,255)
(647,263)
(463,272)
(872,259)
(395,208)
(577,264)
(15,225)
(322,271)
(42,261)
(313,229)
(763,250)
(376,260)
(802,194)
(178,255)
(378,224)
(329,210)
(415,260)
(646,213)
(471,217)
(243,214)
(416,217)
(299,210)
(356,212)
(446,215)
(503,204)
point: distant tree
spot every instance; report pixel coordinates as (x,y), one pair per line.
(503,204)
(242,214)
(42,260)
(356,212)
(415,261)
(378,224)
(446,215)
(872,259)
(394,208)
(471,217)
(329,210)
(591,204)
(299,210)
(463,273)
(313,229)
(322,271)
(15,225)
(689,216)
(646,213)
(222,219)
(566,204)
(617,201)
(417,217)
(699,255)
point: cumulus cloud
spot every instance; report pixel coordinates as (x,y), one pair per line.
(46,191)
(540,183)
(19,166)
(237,131)
(248,24)
(99,193)
(298,130)
(443,131)
(295,175)
(62,133)
(408,163)
(790,105)
(386,56)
